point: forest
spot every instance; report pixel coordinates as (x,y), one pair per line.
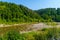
(10,12)
(50,14)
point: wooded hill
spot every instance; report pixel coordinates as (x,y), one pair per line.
(49,14)
(10,12)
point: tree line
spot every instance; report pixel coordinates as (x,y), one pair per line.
(49,14)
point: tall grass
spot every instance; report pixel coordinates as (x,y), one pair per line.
(43,34)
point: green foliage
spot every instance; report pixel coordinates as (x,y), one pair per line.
(44,34)
(13,35)
(1,38)
(10,12)
(49,34)
(28,36)
(41,36)
(50,14)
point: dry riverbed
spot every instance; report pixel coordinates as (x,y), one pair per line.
(27,27)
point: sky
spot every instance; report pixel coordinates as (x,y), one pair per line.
(36,4)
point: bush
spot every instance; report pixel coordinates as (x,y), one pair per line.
(28,36)
(13,35)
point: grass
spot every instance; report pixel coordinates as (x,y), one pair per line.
(43,34)
(16,27)
(51,23)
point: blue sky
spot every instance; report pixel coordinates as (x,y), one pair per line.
(37,4)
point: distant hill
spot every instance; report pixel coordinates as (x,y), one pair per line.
(10,12)
(49,14)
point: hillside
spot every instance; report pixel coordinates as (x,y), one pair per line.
(10,12)
(49,14)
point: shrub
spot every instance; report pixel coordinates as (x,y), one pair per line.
(13,35)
